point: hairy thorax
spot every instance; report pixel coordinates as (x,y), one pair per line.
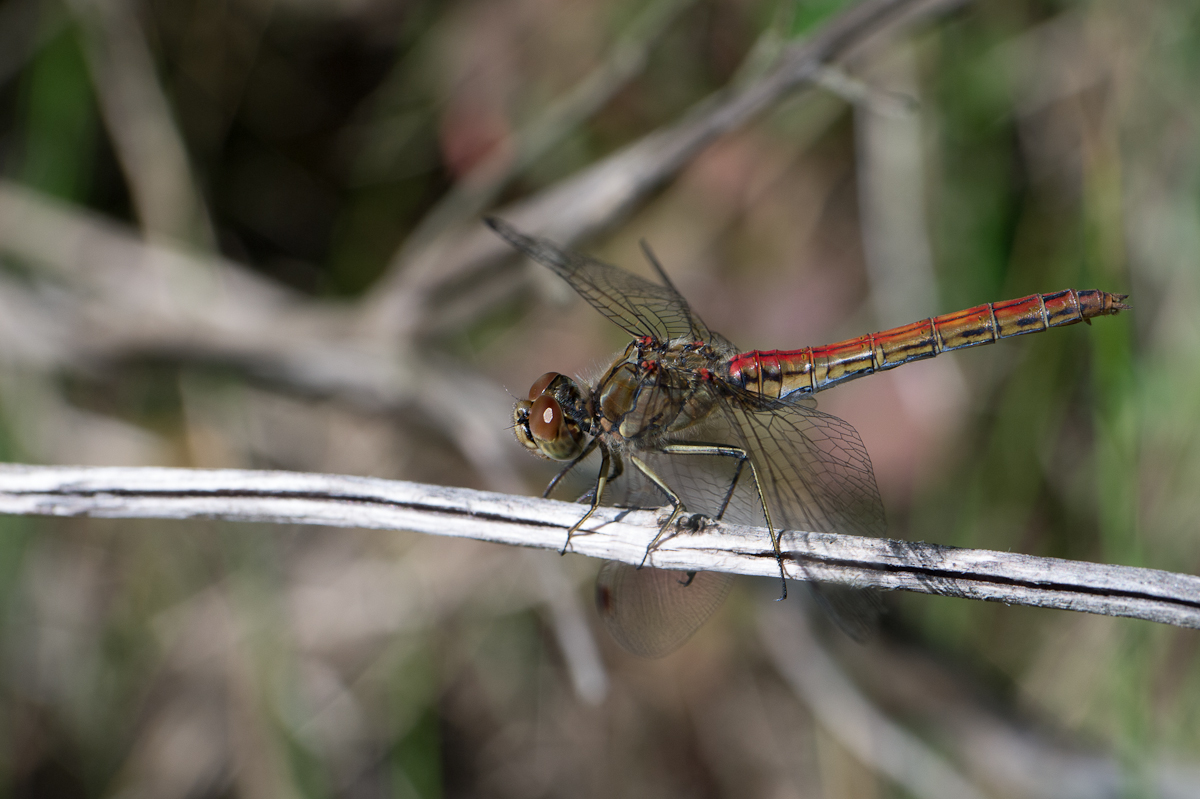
(654,390)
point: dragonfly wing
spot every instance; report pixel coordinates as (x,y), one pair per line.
(815,469)
(651,612)
(855,611)
(640,307)
(815,473)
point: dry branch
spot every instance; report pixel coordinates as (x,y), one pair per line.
(138,117)
(157,300)
(593,198)
(616,534)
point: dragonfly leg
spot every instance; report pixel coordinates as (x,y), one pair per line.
(618,469)
(601,482)
(737,475)
(743,457)
(564,471)
(672,497)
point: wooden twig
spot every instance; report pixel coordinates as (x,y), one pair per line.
(593,198)
(140,124)
(475,191)
(616,534)
(160,301)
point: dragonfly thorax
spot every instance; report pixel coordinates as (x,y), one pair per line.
(654,390)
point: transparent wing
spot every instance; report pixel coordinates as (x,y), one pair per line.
(651,612)
(640,307)
(815,473)
(814,467)
(815,470)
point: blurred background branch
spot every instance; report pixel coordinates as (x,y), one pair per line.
(138,117)
(598,196)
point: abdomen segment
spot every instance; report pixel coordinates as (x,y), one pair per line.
(778,373)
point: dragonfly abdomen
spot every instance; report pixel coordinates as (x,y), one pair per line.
(777,373)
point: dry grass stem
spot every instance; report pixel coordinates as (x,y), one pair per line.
(617,534)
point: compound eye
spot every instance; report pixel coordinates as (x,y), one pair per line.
(541,384)
(545,418)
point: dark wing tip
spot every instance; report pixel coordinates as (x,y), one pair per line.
(537,249)
(505,230)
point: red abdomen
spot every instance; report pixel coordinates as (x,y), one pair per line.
(778,373)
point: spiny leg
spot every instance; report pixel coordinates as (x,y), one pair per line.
(564,471)
(737,475)
(744,458)
(601,482)
(618,469)
(672,497)
(733,483)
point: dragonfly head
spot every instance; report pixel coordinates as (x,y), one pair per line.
(552,422)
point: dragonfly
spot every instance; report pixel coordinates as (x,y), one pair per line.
(734,436)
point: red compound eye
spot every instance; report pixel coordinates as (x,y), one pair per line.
(540,384)
(545,418)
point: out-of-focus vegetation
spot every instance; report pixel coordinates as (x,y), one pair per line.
(331,147)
